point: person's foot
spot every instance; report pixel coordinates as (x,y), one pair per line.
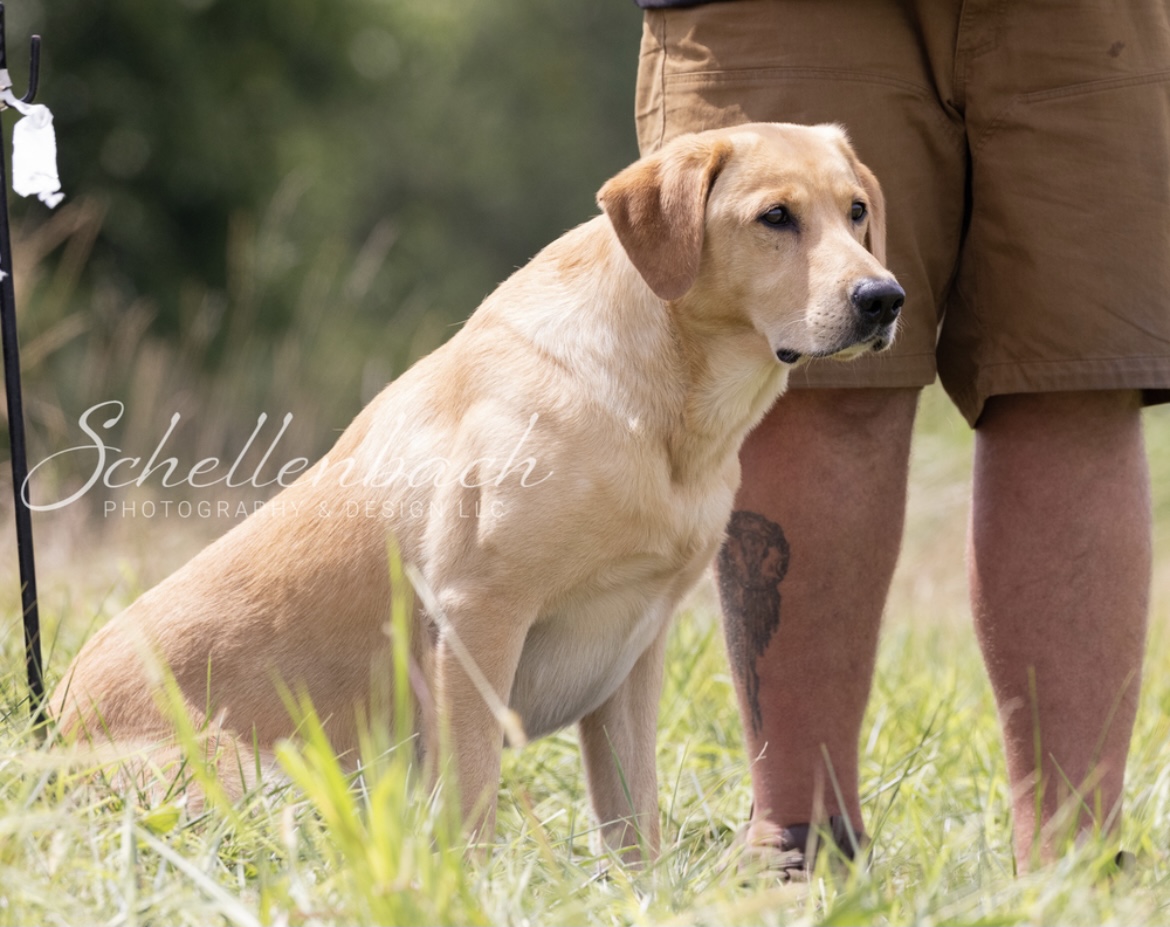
(792,851)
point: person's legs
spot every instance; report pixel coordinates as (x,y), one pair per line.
(803,578)
(1060,573)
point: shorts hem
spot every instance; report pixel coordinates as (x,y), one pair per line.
(1151,375)
(875,372)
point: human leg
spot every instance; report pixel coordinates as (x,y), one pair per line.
(1060,541)
(803,579)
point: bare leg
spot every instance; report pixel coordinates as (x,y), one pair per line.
(803,579)
(1060,575)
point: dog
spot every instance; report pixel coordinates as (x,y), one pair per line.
(559,475)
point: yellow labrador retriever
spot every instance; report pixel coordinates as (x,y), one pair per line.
(559,473)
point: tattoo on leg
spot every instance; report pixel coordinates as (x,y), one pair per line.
(752,562)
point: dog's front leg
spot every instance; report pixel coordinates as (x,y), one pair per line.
(618,749)
(475,665)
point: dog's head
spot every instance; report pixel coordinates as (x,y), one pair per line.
(771,226)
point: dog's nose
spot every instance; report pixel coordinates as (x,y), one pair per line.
(878,301)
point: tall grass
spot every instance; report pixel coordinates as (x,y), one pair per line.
(378,848)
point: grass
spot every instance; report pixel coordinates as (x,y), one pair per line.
(379,850)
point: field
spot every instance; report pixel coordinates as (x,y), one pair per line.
(326,850)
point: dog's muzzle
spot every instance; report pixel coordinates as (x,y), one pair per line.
(877,303)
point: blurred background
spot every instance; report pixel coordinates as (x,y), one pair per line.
(275,207)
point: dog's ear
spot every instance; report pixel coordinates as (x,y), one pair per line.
(658,206)
(875,233)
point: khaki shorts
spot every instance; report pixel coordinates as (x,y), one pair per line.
(1024,150)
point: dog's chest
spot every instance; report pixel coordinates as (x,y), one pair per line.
(581,650)
(574,658)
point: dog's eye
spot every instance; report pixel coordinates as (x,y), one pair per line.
(778,216)
(858,212)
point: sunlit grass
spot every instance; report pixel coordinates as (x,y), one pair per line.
(331,847)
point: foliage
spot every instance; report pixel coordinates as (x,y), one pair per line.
(451,138)
(275,207)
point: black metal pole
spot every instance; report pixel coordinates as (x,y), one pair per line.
(16,436)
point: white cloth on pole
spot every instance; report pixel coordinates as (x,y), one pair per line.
(34,149)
